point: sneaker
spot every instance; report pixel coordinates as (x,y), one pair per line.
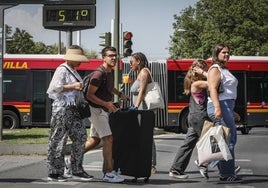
(237,169)
(231,179)
(113,177)
(177,174)
(68,167)
(202,169)
(153,170)
(82,176)
(56,177)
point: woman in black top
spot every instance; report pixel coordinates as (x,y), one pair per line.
(195,85)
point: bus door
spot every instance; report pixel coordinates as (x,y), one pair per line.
(16,98)
(257,106)
(241,102)
(41,104)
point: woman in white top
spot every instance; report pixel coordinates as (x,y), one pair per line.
(222,86)
(65,119)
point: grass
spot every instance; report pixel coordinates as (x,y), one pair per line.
(26,136)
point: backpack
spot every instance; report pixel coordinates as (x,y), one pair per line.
(87,78)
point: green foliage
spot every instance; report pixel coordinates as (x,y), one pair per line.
(241,24)
(27,136)
(21,42)
(91,54)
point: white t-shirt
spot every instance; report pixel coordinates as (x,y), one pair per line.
(229,83)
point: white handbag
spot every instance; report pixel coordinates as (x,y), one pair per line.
(153,97)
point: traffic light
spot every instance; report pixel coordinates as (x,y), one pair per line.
(107,39)
(127,43)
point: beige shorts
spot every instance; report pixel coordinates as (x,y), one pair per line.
(99,123)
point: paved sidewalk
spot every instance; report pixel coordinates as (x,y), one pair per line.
(8,162)
(20,155)
(23,149)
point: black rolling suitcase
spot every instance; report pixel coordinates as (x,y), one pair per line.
(132,142)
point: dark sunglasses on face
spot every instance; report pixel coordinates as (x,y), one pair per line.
(112,55)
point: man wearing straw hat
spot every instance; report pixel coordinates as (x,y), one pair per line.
(65,119)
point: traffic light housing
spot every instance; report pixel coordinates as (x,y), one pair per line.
(127,43)
(107,39)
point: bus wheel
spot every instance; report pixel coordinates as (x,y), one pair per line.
(184,121)
(10,120)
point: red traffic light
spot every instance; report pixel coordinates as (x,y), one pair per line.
(127,35)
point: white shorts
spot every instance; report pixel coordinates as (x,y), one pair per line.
(99,123)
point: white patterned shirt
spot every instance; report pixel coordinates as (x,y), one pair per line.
(60,78)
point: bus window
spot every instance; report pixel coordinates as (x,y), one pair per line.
(39,97)
(264,88)
(257,87)
(180,97)
(171,88)
(240,102)
(175,87)
(257,92)
(16,86)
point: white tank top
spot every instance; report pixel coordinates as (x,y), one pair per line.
(229,83)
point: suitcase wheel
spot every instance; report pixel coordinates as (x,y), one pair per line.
(146,180)
(135,180)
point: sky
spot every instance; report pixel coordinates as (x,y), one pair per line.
(150,22)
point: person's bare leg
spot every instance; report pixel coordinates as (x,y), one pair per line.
(91,143)
(107,153)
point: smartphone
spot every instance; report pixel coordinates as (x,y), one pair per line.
(117,104)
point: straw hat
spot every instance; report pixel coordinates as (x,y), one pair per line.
(75,55)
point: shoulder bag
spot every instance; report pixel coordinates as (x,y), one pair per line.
(153,97)
(81,103)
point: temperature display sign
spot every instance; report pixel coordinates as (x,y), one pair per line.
(69,17)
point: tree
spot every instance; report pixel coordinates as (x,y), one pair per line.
(21,42)
(91,54)
(241,24)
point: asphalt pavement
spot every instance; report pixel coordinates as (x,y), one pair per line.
(19,155)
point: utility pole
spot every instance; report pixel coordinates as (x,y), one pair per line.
(116,44)
(202,47)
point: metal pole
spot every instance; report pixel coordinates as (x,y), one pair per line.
(116,44)
(2,37)
(78,40)
(202,55)
(59,47)
(69,39)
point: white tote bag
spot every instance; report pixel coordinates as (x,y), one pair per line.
(212,146)
(153,97)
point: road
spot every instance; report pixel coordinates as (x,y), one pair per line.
(251,155)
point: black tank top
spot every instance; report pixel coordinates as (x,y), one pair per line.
(199,108)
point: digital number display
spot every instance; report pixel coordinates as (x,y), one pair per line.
(69,17)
